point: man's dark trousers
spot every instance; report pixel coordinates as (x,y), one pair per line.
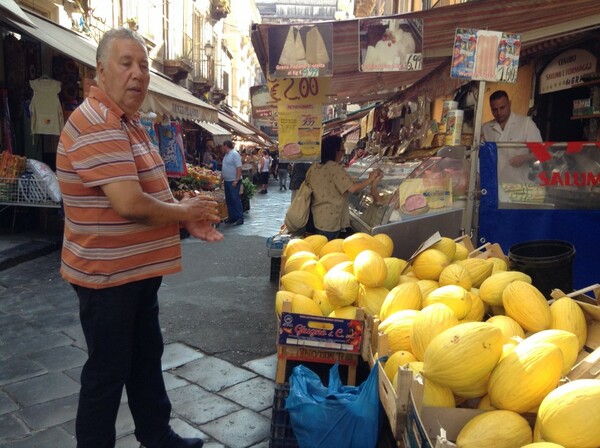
(125,346)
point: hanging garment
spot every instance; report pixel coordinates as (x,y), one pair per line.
(316,51)
(46,111)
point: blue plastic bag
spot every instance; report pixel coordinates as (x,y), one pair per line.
(334,416)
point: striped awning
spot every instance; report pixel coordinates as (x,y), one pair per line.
(536,20)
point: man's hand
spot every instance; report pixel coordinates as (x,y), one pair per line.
(201,208)
(203,230)
(521,160)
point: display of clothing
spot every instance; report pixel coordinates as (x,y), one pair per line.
(46,111)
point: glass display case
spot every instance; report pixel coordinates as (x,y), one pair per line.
(415,199)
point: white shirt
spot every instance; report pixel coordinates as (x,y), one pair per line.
(518,128)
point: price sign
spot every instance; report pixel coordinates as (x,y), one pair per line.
(414,61)
(506,74)
(298,90)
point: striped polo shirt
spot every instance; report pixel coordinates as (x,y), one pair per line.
(100,145)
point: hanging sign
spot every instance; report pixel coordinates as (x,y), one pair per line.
(484,55)
(390,45)
(566,70)
(301,51)
(263,107)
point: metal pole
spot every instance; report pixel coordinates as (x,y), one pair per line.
(473,194)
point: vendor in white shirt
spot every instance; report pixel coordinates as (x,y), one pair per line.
(510,127)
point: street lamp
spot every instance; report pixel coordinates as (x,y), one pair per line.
(208,49)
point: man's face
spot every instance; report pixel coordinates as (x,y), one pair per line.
(126,75)
(500,109)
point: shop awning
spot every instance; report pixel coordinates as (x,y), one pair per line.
(234,125)
(213,128)
(537,21)
(10,9)
(164,97)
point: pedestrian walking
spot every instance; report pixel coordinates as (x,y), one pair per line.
(231,177)
(282,172)
(121,235)
(264,170)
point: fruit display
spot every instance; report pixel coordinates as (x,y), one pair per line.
(483,336)
(198,178)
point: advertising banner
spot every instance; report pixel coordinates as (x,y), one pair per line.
(389,45)
(567,70)
(301,51)
(483,55)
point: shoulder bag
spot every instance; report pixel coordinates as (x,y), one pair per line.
(296,217)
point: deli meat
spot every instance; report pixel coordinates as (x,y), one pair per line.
(415,202)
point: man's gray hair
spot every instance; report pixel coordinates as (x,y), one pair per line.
(113,34)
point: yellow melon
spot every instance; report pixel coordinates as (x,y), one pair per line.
(499,265)
(479,268)
(447,246)
(341,287)
(332,259)
(345,312)
(305,305)
(430,322)
(371,298)
(477,310)
(527,305)
(463,354)
(301,282)
(429,264)
(455,274)
(569,414)
(525,376)
(394,270)
(398,331)
(321,299)
(314,267)
(497,429)
(296,245)
(485,403)
(567,315)
(426,286)
(492,287)
(437,395)
(508,326)
(403,297)
(335,245)
(347,266)
(316,242)
(280,296)
(387,242)
(461,253)
(370,269)
(359,242)
(564,340)
(396,360)
(454,296)
(297,259)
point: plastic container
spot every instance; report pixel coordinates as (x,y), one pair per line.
(282,434)
(454,123)
(549,263)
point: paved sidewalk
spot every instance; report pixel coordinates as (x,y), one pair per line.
(42,350)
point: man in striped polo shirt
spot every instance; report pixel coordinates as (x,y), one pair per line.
(121,236)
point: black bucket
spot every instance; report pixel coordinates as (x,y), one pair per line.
(549,263)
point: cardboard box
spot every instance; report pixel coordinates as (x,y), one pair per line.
(319,339)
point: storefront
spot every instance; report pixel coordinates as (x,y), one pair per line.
(60,64)
(416,197)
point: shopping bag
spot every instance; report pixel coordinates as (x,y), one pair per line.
(334,416)
(297,214)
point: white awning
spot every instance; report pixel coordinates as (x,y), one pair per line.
(238,128)
(213,128)
(164,97)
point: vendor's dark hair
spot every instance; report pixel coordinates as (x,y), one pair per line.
(229,144)
(329,147)
(498,94)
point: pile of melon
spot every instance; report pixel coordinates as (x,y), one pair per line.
(435,315)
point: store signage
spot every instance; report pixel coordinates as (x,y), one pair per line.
(263,107)
(566,70)
(484,55)
(390,45)
(301,51)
